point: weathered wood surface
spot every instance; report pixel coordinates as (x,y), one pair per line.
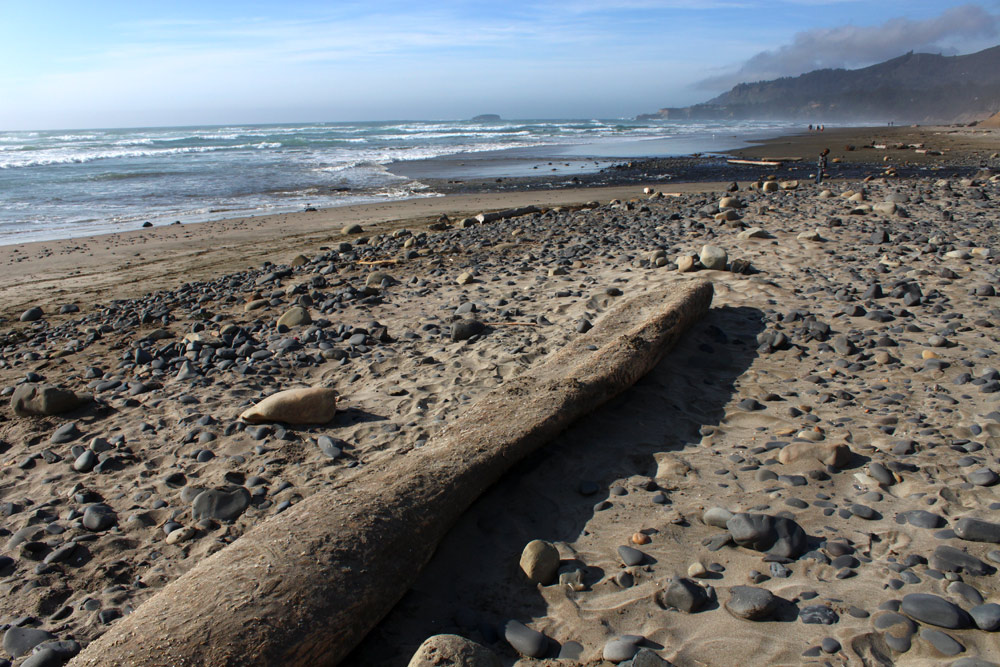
(304,587)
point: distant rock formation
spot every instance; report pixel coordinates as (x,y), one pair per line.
(992,121)
(486,118)
(916,87)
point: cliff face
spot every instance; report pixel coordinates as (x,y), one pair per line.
(916,87)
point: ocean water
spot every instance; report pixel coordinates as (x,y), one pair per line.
(64,184)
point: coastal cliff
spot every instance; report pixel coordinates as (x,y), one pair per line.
(915,87)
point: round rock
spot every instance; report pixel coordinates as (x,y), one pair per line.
(453,650)
(540,562)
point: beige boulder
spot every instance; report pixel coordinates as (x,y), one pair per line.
(828,453)
(540,562)
(308,405)
(295,316)
(44,400)
(444,650)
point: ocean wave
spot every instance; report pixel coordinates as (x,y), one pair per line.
(55,158)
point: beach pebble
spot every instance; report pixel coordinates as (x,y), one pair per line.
(713,257)
(220,504)
(645,657)
(99,517)
(630,556)
(750,603)
(716,516)
(524,640)
(45,657)
(18,641)
(179,535)
(942,641)
(295,317)
(986,616)
(621,648)
(310,405)
(466,329)
(897,630)
(818,614)
(950,559)
(977,530)
(540,562)
(778,536)
(684,595)
(453,650)
(935,610)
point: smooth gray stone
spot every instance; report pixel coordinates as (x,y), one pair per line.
(99,517)
(45,657)
(716,516)
(62,554)
(570,651)
(950,559)
(983,477)
(630,556)
(778,536)
(19,641)
(897,630)
(924,519)
(934,610)
(986,616)
(525,640)
(818,614)
(973,662)
(943,642)
(65,433)
(750,602)
(964,590)
(647,658)
(329,448)
(621,648)
(830,645)
(466,329)
(977,530)
(220,504)
(85,462)
(685,595)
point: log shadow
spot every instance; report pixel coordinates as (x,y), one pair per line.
(473,584)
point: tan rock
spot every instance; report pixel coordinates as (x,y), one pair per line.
(308,405)
(255,305)
(685,263)
(669,465)
(754,233)
(788,185)
(299,260)
(828,453)
(465,278)
(540,562)
(444,650)
(295,316)
(179,535)
(769,186)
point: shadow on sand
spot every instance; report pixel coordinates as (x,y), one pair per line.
(473,584)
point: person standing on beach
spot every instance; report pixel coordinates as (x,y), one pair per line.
(821,165)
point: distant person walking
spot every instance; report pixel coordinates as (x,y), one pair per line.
(821,165)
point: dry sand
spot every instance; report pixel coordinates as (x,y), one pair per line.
(911,393)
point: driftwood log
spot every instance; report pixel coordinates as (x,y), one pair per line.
(304,587)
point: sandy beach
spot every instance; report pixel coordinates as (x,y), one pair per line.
(809,477)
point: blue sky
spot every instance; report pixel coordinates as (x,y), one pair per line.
(115,64)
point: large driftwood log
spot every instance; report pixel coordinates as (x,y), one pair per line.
(304,587)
